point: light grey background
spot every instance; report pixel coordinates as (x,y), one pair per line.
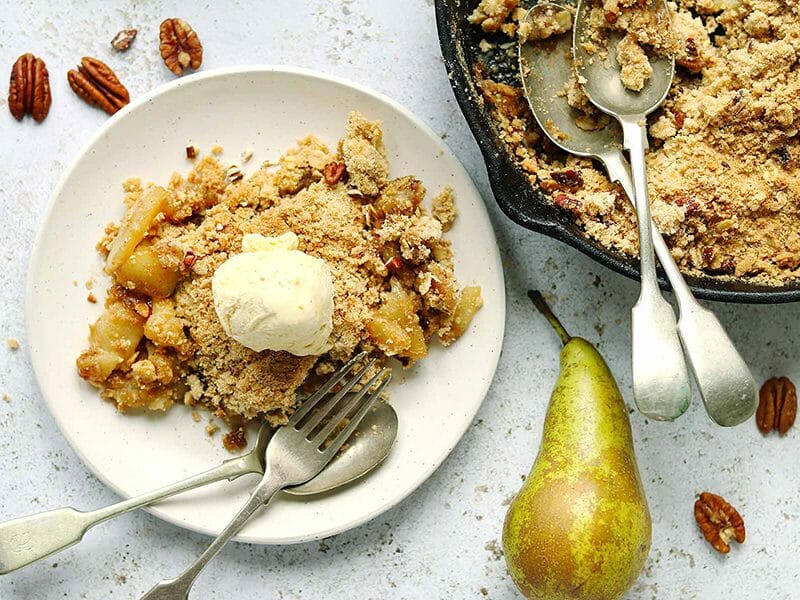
(443,541)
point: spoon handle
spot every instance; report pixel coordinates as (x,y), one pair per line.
(725,383)
(660,378)
(28,539)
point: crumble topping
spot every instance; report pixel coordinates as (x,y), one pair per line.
(444,209)
(635,67)
(363,153)
(160,341)
(491,14)
(545,23)
(723,165)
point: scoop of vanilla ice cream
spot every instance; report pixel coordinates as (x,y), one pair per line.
(272,296)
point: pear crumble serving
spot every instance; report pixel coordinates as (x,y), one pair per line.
(723,164)
(233,293)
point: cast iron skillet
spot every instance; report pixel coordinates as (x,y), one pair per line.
(526,205)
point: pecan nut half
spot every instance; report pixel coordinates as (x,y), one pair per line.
(333,172)
(180,46)
(29,89)
(96,83)
(718,521)
(777,405)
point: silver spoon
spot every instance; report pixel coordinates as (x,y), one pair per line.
(28,539)
(729,397)
(660,379)
(728,388)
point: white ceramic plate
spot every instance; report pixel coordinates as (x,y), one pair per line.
(266,109)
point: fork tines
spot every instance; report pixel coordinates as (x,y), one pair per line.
(318,425)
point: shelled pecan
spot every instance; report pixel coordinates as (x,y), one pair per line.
(567,203)
(96,83)
(29,89)
(333,172)
(690,58)
(233,174)
(569,179)
(777,405)
(719,521)
(180,47)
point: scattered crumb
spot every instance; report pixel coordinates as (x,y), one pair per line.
(91,298)
(493,547)
(235,440)
(191,152)
(89,284)
(12,343)
(444,208)
(6,397)
(212,428)
(247,155)
(216,149)
(196,416)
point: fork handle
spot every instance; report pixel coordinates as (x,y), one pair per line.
(28,539)
(178,588)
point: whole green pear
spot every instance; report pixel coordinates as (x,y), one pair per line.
(580,527)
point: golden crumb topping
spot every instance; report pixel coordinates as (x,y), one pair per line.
(160,341)
(723,166)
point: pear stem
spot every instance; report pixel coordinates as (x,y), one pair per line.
(542,306)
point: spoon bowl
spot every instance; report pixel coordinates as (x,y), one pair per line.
(600,74)
(368,447)
(545,67)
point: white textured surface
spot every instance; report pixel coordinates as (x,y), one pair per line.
(439,543)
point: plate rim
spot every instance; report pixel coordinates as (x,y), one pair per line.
(35,258)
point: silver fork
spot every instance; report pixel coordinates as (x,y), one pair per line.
(296,453)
